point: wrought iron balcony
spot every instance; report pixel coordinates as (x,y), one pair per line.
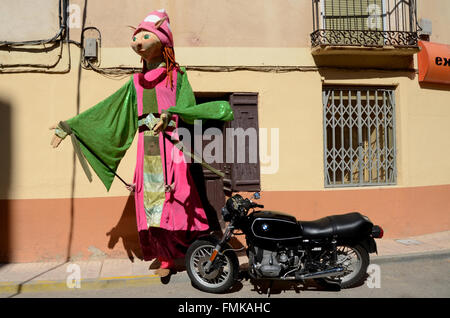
(364,23)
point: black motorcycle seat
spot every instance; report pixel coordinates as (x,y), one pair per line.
(342,226)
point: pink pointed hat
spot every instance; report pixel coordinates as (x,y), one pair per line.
(163,32)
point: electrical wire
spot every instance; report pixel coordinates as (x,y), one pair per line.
(59,39)
(43,68)
(62,27)
(47,66)
(287,69)
(116,73)
(266,68)
(84,60)
(121,72)
(37,42)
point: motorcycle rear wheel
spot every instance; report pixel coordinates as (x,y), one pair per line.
(218,280)
(355,260)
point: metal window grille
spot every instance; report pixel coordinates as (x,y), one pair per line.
(359,136)
(364,23)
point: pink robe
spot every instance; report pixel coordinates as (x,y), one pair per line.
(183,217)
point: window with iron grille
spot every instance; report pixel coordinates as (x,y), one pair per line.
(364,23)
(359,136)
(353,14)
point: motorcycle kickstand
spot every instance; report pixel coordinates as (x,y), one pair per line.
(269,289)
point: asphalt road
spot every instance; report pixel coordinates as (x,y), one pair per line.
(424,277)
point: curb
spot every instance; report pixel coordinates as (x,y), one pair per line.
(14,288)
(100,283)
(411,256)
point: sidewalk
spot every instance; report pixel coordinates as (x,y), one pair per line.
(110,273)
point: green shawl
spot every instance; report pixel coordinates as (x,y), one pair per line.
(107,130)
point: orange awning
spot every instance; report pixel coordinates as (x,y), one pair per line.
(434,62)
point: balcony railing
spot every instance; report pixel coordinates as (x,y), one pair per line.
(366,23)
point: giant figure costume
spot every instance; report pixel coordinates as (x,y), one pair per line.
(167,221)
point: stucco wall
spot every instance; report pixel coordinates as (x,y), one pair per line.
(288,101)
(48,208)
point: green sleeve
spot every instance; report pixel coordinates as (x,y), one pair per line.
(107,129)
(187,109)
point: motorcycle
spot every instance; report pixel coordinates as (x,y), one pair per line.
(333,250)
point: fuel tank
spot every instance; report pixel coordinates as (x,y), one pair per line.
(274,226)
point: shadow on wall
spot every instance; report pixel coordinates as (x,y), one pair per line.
(5,179)
(126,230)
(439,87)
(364,67)
(74,159)
(200,183)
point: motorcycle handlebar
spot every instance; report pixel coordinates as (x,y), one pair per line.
(255,205)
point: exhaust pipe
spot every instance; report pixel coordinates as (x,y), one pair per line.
(328,273)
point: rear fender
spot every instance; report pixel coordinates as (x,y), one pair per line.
(369,244)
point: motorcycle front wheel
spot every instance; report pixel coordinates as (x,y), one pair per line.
(354,260)
(221,276)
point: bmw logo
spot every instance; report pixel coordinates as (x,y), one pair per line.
(265,227)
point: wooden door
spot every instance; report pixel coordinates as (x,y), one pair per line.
(243,176)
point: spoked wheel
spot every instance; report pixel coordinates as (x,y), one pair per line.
(354,260)
(222,274)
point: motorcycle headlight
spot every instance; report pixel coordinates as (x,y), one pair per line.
(234,203)
(232,207)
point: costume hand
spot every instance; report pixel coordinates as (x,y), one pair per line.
(162,124)
(131,187)
(55,140)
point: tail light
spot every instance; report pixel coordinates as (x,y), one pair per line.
(377,231)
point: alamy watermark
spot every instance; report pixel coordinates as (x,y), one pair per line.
(374,279)
(237,146)
(73,280)
(374,21)
(74,16)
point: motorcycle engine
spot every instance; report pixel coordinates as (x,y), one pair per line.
(267,263)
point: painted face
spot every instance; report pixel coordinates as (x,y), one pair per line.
(147,45)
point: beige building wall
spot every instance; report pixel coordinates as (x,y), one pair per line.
(210,33)
(288,101)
